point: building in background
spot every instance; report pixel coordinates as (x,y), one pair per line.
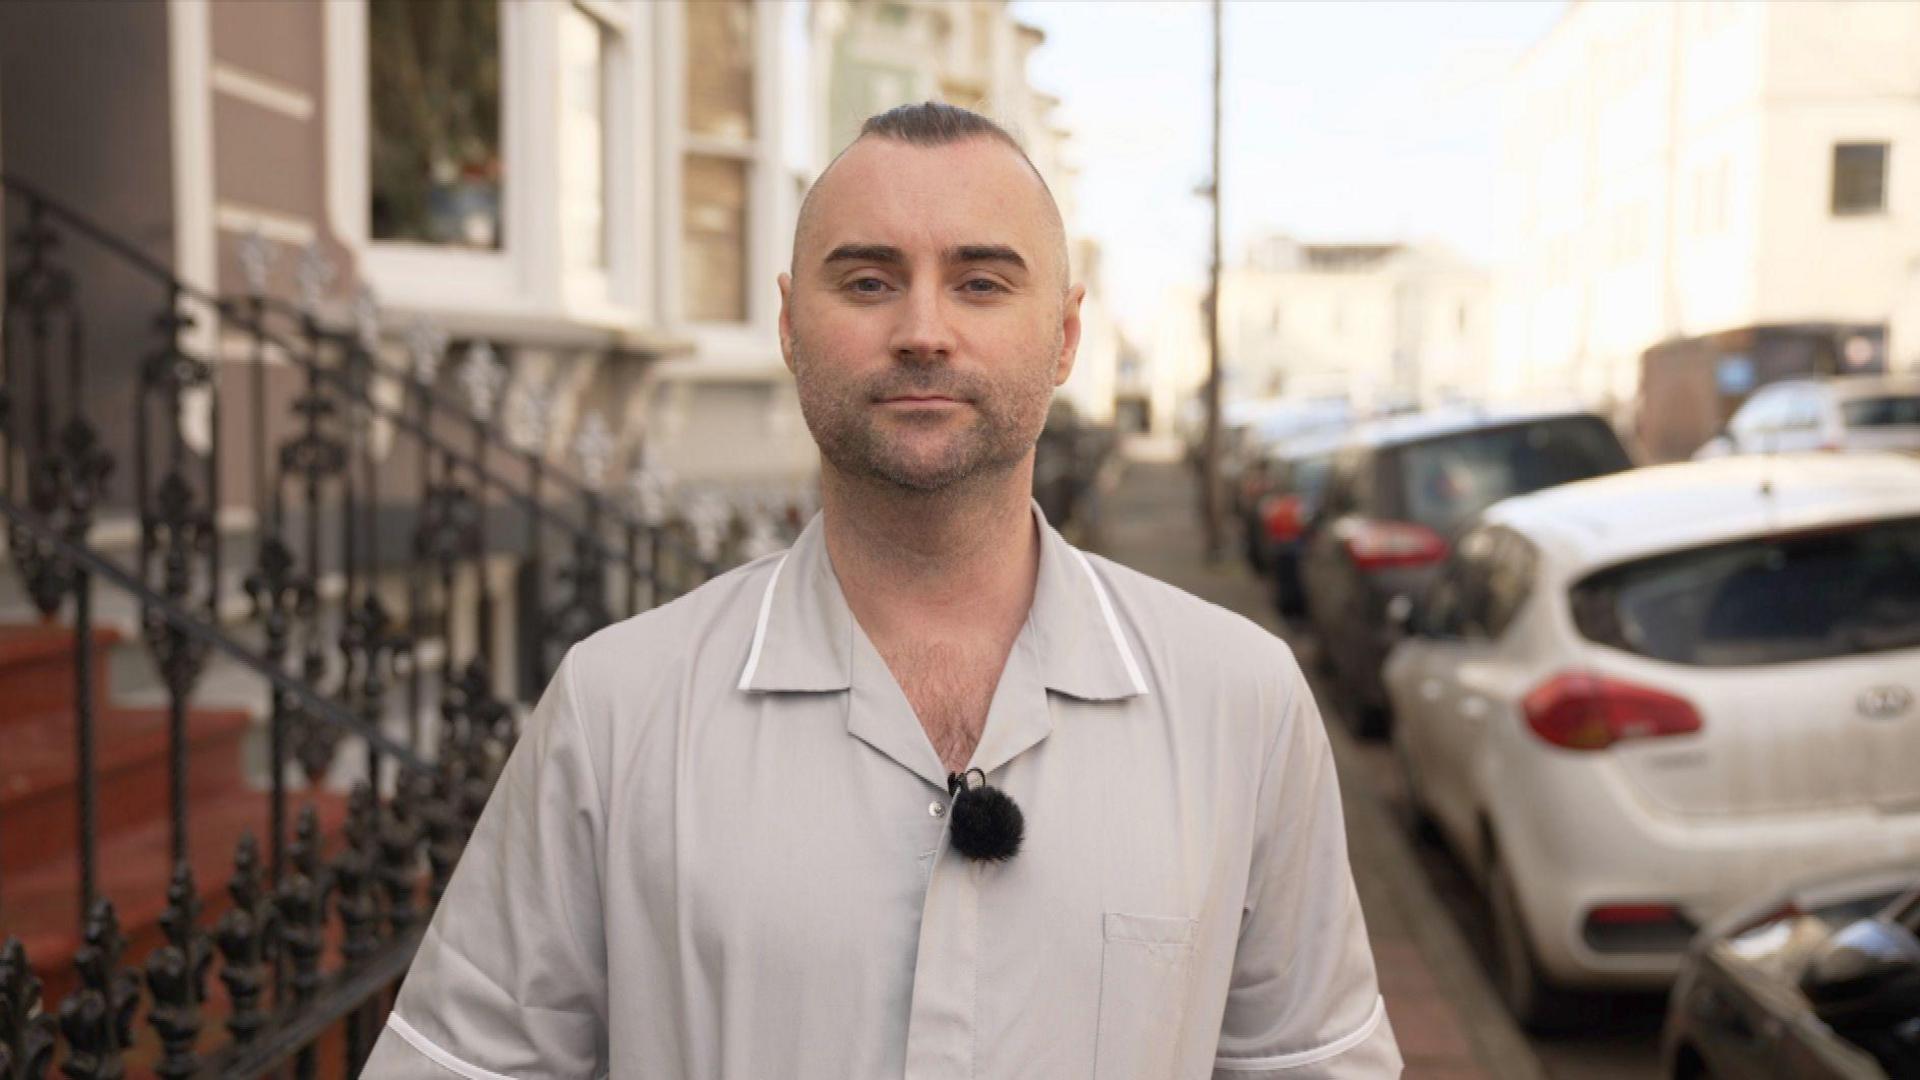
(1673,171)
(1386,326)
(871,55)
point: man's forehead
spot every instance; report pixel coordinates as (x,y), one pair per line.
(886,192)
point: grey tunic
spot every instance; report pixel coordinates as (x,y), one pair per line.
(719,851)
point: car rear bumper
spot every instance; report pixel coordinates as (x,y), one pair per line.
(1575,838)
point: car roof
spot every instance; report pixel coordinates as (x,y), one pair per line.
(1642,512)
(1847,387)
(1417,427)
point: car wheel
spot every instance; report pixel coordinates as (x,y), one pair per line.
(1535,1003)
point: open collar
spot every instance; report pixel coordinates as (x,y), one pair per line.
(805,637)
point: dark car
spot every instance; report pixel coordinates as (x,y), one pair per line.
(1398,493)
(1294,480)
(1820,981)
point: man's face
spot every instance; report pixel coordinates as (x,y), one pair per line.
(927,319)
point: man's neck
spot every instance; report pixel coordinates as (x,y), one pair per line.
(960,560)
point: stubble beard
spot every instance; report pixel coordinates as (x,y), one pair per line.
(1002,424)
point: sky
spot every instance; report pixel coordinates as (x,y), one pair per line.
(1357,121)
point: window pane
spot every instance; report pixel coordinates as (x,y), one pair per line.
(714,253)
(1891,411)
(583,73)
(720,68)
(1448,480)
(434,87)
(1840,592)
(1859,178)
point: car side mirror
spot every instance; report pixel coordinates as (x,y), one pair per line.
(1866,974)
(1401,616)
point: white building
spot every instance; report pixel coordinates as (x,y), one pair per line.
(1383,325)
(1675,169)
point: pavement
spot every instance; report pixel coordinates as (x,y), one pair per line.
(1449,1021)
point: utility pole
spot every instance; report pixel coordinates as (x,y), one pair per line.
(1210,448)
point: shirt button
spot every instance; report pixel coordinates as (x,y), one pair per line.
(936,809)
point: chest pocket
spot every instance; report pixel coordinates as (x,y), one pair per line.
(1144,966)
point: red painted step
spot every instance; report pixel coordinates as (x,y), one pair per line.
(37,669)
(42,906)
(39,792)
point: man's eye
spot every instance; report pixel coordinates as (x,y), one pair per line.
(983,286)
(867,286)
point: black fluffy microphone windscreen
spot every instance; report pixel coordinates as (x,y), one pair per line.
(985,824)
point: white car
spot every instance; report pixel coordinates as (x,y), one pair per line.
(1630,702)
(1839,413)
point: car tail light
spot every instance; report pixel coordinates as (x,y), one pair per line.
(1577,711)
(1638,927)
(1378,545)
(1280,516)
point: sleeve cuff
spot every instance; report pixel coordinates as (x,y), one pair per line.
(1368,1051)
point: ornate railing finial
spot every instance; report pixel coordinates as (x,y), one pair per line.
(593,447)
(256,259)
(366,318)
(483,376)
(315,275)
(426,345)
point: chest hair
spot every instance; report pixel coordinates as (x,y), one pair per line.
(950,686)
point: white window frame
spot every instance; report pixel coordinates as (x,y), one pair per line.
(770,200)
(526,282)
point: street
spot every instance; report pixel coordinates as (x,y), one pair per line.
(1423,912)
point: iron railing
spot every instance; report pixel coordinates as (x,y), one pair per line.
(348,603)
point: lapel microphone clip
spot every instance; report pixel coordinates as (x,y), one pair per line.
(986,825)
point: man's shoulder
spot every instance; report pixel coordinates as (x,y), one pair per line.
(666,637)
(1174,623)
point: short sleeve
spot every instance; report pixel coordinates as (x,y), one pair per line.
(1304,1002)
(510,979)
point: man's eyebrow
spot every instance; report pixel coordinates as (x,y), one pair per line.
(975,253)
(887,254)
(876,253)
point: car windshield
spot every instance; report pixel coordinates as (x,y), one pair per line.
(1763,601)
(1308,477)
(1448,480)
(1899,410)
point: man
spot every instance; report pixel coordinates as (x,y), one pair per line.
(724,846)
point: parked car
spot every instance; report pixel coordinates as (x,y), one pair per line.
(1837,413)
(1629,703)
(1294,478)
(1250,445)
(1398,492)
(1067,461)
(1819,981)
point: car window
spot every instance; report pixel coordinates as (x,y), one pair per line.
(1892,410)
(1444,482)
(1341,496)
(1767,600)
(1802,411)
(1510,574)
(1761,413)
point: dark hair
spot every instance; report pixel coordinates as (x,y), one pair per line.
(932,123)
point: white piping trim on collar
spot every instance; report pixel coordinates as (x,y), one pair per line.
(760,628)
(1113,623)
(433,1053)
(1317,1054)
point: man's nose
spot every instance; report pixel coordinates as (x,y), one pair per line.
(924,333)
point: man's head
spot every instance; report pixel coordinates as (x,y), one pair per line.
(928,314)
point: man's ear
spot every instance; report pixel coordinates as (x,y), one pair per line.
(1069,334)
(785,281)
